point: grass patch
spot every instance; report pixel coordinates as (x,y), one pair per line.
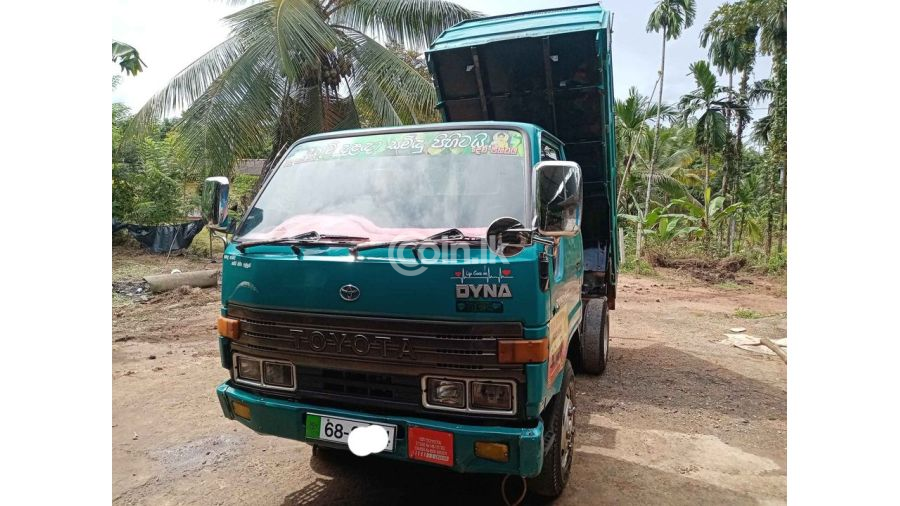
(119,300)
(639,266)
(200,246)
(730,285)
(130,269)
(746,313)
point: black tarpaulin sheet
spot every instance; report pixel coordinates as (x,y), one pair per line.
(162,238)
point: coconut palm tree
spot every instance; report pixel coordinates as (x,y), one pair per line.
(290,68)
(709,104)
(632,115)
(672,175)
(670,17)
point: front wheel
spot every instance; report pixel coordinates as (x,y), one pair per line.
(595,337)
(559,438)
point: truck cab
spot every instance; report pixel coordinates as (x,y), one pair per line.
(437,282)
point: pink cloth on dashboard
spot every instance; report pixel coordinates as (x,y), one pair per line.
(350,225)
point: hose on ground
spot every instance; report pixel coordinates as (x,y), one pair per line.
(519,499)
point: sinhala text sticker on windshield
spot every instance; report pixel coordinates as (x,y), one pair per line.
(456,142)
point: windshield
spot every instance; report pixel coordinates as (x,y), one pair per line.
(394,186)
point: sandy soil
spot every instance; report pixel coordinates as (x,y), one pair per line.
(677,419)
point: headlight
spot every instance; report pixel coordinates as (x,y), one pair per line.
(469,395)
(444,392)
(248,369)
(489,395)
(275,374)
(278,374)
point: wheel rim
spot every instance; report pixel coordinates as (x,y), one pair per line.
(568,432)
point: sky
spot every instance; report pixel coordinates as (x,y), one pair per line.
(170,34)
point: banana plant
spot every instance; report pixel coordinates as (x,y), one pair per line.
(663,225)
(709,213)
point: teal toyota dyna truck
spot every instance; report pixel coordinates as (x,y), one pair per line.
(439,281)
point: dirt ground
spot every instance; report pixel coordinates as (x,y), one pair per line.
(678,418)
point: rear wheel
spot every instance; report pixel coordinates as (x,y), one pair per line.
(559,438)
(595,337)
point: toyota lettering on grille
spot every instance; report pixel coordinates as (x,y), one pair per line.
(354,343)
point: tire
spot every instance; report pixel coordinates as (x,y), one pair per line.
(595,337)
(559,440)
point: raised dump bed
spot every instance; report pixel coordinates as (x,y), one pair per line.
(552,68)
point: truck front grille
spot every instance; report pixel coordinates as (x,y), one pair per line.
(386,390)
(376,346)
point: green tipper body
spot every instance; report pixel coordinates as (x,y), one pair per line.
(552,68)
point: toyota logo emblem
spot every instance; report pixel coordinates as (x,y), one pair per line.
(349,293)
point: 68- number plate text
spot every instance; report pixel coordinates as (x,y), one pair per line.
(337,430)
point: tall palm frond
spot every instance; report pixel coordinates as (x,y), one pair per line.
(764,89)
(730,35)
(296,67)
(673,16)
(412,23)
(762,129)
(394,90)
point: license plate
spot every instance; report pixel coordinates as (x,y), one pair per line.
(337,430)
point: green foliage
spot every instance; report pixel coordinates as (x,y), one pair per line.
(663,226)
(148,175)
(691,186)
(777,263)
(746,313)
(241,192)
(639,266)
(158,198)
(672,16)
(127,57)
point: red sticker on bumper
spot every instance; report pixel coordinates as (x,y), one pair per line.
(430,446)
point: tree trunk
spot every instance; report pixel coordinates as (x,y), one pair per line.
(653,151)
(739,148)
(781,227)
(779,137)
(728,156)
(706,186)
(282,139)
(741,229)
(706,200)
(771,207)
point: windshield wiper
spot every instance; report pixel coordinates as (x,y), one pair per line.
(449,235)
(311,237)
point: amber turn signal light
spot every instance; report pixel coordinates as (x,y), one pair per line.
(229,327)
(240,409)
(522,351)
(498,452)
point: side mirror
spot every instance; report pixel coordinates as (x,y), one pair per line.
(214,202)
(557,198)
(506,237)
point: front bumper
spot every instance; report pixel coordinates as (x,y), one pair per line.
(287,419)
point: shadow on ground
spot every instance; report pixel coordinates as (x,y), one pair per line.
(596,479)
(670,379)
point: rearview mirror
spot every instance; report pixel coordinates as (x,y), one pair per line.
(557,191)
(214,202)
(506,237)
